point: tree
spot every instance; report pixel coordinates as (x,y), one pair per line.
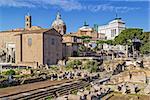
(145,49)
(110,42)
(145,39)
(85,37)
(86,40)
(100,42)
(127,35)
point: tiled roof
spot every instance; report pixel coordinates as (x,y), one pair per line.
(40,31)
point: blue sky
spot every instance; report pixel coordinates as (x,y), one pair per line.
(136,13)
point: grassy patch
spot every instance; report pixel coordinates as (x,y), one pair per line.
(48,98)
(74,92)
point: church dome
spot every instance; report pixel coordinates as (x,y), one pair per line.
(85,27)
(59,24)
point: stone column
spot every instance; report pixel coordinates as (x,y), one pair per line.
(133,50)
(6,55)
(11,55)
(112,56)
(123,89)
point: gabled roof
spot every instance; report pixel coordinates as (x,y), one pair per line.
(51,31)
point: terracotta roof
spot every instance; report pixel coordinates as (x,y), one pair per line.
(23,29)
(53,33)
(40,31)
(33,28)
(12,31)
(71,35)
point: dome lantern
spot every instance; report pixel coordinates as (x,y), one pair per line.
(58,16)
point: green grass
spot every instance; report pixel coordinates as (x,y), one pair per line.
(74,92)
(48,98)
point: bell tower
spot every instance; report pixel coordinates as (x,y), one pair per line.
(28,21)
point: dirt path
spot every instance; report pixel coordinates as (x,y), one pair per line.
(29,87)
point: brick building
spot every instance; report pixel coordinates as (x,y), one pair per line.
(30,46)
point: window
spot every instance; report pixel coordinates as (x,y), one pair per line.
(53,41)
(29,41)
(75,39)
(113,32)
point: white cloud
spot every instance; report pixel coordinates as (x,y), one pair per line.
(66,5)
(63,4)
(15,3)
(108,7)
(102,7)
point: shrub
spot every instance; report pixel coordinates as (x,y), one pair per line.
(10,72)
(48,98)
(54,68)
(73,63)
(74,92)
(91,66)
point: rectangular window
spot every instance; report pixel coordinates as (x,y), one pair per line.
(29,41)
(53,41)
(113,32)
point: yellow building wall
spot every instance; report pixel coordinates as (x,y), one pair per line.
(33,52)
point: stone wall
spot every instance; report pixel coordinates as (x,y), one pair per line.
(52,49)
(129,76)
(32,52)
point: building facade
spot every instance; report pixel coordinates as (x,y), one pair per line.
(112,29)
(71,44)
(39,46)
(30,46)
(88,31)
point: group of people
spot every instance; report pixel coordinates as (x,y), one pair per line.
(65,75)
